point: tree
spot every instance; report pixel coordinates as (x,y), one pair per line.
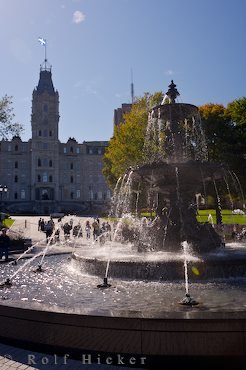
(126,146)
(7,127)
(236,111)
(218,130)
(225,131)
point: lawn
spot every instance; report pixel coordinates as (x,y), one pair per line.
(227,217)
(203,216)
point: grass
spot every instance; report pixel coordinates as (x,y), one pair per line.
(227,216)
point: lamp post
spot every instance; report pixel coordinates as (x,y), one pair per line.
(3,189)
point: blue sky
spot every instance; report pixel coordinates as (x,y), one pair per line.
(92,46)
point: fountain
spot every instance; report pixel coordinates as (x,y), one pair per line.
(151,263)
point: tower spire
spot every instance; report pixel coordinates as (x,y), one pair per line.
(132,87)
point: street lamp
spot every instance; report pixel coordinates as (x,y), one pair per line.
(3,189)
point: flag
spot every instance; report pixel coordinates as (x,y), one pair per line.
(42,41)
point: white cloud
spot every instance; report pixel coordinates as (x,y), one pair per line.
(169,72)
(78,16)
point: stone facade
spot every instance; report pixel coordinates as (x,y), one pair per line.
(44,175)
(119,113)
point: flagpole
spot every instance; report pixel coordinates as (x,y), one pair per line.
(45,53)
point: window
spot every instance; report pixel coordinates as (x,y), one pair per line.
(50,133)
(23,194)
(50,178)
(16,178)
(39,133)
(39,178)
(45,177)
(71,195)
(39,162)
(50,163)
(16,164)
(71,149)
(71,166)
(77,150)
(99,151)
(78,194)
(71,179)
(9,148)
(16,148)
(64,150)
(16,195)
(99,195)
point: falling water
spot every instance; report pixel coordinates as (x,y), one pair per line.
(210,219)
(185,246)
(240,187)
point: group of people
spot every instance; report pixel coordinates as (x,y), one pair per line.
(96,229)
(102,231)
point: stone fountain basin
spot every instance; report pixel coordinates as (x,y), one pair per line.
(162,266)
(42,309)
(162,176)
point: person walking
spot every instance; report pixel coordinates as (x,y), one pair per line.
(96,229)
(4,244)
(88,229)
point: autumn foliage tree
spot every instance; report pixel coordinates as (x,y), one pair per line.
(126,146)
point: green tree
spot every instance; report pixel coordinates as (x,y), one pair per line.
(225,134)
(126,146)
(236,111)
(7,127)
(218,130)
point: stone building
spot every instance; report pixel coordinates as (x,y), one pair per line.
(119,113)
(44,175)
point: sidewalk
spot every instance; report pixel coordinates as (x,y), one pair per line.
(13,358)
